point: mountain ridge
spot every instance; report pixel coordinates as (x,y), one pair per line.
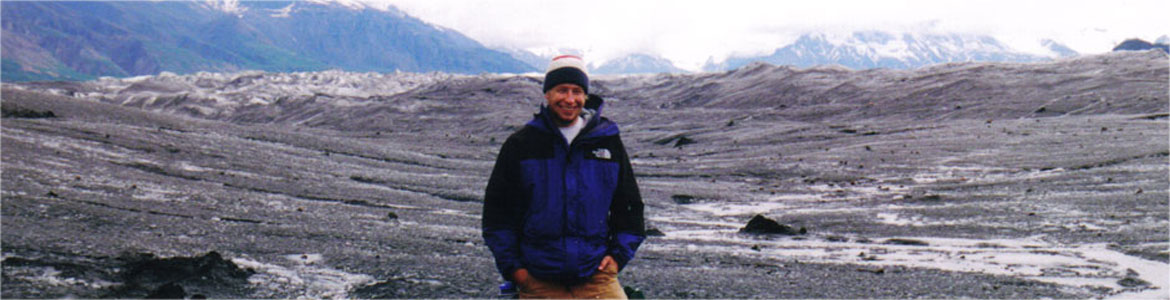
(85,40)
(358,101)
(858,50)
(877,49)
(1142,45)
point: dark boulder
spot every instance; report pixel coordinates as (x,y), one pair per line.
(1131,282)
(683,199)
(761,225)
(633,292)
(17,112)
(906,242)
(654,232)
(678,140)
(168,291)
(683,141)
(148,276)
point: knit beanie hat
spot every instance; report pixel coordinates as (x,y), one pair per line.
(566,69)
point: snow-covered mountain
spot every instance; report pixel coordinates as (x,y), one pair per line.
(1059,49)
(1141,45)
(637,64)
(536,61)
(83,40)
(876,49)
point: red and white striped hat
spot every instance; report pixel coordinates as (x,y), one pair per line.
(566,69)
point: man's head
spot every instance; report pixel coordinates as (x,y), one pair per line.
(566,86)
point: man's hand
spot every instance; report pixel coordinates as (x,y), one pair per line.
(520,276)
(606,262)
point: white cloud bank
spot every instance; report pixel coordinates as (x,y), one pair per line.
(691,32)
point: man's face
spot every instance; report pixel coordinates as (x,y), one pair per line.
(565,101)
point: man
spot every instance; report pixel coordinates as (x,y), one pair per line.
(562,213)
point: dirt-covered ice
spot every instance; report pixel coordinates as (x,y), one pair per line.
(967,180)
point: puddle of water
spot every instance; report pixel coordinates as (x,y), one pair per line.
(893,219)
(1155,272)
(707,223)
(457,213)
(914,220)
(51,276)
(1092,265)
(980,174)
(185,166)
(736,209)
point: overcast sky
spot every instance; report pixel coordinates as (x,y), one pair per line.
(691,32)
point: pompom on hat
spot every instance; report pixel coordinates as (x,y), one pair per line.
(566,69)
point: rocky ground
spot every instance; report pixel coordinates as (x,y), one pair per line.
(976,180)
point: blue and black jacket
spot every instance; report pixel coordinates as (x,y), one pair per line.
(557,208)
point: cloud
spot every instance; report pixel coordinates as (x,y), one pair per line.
(691,32)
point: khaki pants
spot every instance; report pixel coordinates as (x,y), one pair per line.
(603,285)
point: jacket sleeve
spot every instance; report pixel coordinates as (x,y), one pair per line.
(503,211)
(627,227)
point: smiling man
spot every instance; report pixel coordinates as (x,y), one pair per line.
(562,213)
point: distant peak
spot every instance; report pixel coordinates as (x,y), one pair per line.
(892,49)
(1058,49)
(227,6)
(1165,39)
(1136,44)
(351,4)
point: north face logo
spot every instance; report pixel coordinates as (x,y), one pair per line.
(602,153)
